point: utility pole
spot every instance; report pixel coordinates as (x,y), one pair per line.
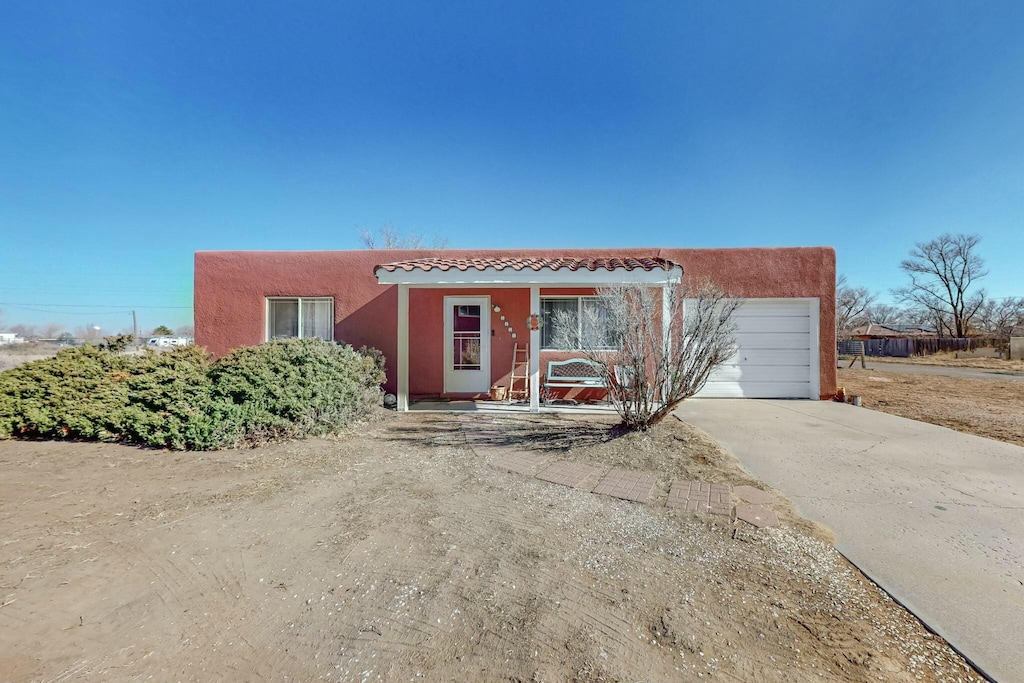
(135,329)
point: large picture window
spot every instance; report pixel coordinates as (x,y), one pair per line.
(301,317)
(589,315)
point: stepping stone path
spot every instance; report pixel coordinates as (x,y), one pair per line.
(574,474)
(751,495)
(758,515)
(696,496)
(521,462)
(635,486)
(700,496)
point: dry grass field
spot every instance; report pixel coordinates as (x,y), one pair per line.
(950,360)
(989,408)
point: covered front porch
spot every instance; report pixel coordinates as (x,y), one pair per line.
(461,322)
(428,405)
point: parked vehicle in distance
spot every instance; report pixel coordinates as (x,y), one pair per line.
(166,340)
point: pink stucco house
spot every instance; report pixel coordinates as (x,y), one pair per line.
(448,321)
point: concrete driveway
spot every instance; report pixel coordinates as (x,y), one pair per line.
(944,370)
(934,516)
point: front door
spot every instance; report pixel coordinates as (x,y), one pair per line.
(467,347)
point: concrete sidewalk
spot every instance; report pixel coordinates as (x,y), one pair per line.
(934,516)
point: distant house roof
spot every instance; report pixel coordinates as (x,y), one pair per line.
(893,330)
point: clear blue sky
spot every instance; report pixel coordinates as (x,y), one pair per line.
(133,134)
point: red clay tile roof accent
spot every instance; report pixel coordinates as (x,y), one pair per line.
(481,264)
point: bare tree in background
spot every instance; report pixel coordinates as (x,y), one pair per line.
(999,317)
(941,273)
(88,332)
(649,369)
(390,238)
(51,330)
(185,331)
(883,314)
(25,331)
(851,304)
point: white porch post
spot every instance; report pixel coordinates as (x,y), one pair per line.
(535,352)
(666,332)
(403,348)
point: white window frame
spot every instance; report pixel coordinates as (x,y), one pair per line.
(579,317)
(298,302)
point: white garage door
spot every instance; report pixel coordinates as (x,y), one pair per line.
(778,352)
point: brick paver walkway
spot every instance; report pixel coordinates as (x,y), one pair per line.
(635,486)
(640,487)
(700,496)
(574,474)
(521,462)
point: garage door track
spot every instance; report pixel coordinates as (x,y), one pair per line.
(934,516)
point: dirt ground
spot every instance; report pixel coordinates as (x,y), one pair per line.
(950,360)
(988,408)
(398,553)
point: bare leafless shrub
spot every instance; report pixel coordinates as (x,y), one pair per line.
(650,368)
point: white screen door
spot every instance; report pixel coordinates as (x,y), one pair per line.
(467,347)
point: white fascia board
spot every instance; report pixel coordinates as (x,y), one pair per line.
(527,276)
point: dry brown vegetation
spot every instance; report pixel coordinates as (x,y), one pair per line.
(950,360)
(984,407)
(13,355)
(399,553)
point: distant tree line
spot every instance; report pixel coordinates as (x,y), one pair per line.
(942,293)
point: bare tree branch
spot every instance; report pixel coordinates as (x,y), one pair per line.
(941,273)
(387,237)
(650,368)
(851,306)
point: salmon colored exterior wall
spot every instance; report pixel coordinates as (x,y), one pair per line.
(231,289)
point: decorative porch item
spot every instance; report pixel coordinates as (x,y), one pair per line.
(533,322)
(497,393)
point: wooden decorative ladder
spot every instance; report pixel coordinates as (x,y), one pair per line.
(520,363)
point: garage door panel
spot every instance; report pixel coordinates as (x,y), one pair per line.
(752,308)
(773,340)
(766,323)
(750,389)
(771,356)
(760,373)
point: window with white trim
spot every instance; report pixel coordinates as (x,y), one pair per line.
(303,317)
(588,312)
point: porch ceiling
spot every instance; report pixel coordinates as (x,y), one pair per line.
(525,271)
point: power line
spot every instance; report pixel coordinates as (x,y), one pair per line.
(10,303)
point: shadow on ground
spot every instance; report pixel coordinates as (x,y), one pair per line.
(550,434)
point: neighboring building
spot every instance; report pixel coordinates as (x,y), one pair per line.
(448,320)
(10,338)
(1017,343)
(891,331)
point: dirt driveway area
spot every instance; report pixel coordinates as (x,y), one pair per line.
(399,553)
(983,407)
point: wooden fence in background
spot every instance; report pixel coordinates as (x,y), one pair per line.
(923,346)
